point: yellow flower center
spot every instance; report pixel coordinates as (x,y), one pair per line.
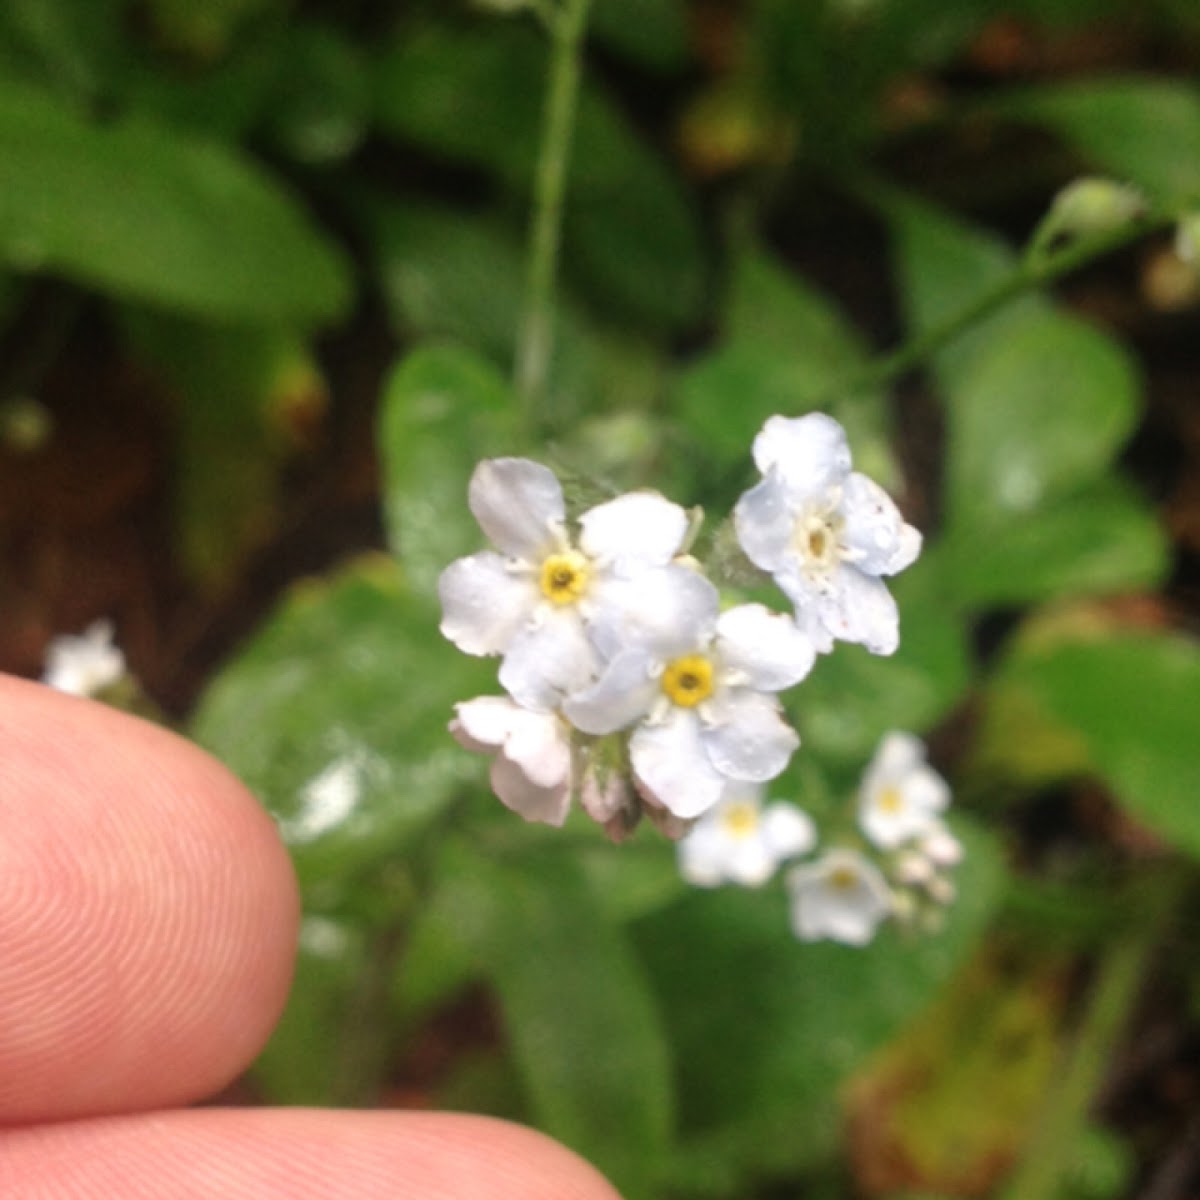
(891,800)
(565,577)
(816,539)
(740,820)
(688,680)
(843,879)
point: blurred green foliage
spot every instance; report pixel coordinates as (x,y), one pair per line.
(238,182)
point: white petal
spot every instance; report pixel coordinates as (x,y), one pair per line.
(764,522)
(941,846)
(667,612)
(787,830)
(847,914)
(623,693)
(859,608)
(538,743)
(669,761)
(810,452)
(751,862)
(768,648)
(484,604)
(517,791)
(703,852)
(746,737)
(633,532)
(548,659)
(517,503)
(874,531)
(483,724)
(897,754)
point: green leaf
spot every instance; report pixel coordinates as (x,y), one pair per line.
(139,211)
(248,396)
(303,1062)
(319,106)
(1101,540)
(1145,130)
(582,1026)
(766,1029)
(1037,413)
(787,348)
(335,716)
(651,33)
(444,408)
(1127,701)
(630,234)
(67,47)
(944,266)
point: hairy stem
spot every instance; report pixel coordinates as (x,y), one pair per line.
(535,341)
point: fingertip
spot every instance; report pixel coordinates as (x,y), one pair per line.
(148,913)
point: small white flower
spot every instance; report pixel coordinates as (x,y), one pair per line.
(841,896)
(940,846)
(531,602)
(826,534)
(740,841)
(696,684)
(85,665)
(531,768)
(901,795)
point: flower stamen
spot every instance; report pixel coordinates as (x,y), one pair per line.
(565,577)
(689,680)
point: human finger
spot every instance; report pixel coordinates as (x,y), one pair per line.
(148,913)
(292,1154)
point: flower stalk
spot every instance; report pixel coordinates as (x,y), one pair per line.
(535,339)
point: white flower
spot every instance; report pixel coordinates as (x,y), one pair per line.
(940,846)
(901,795)
(825,533)
(741,841)
(531,601)
(531,770)
(85,665)
(696,686)
(841,896)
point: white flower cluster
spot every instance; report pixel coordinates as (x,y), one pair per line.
(846,893)
(626,682)
(87,664)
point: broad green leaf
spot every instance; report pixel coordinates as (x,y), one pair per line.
(1036,414)
(853,697)
(335,716)
(630,234)
(320,103)
(1100,540)
(582,1025)
(248,398)
(141,212)
(787,349)
(1146,130)
(1124,705)
(945,266)
(766,1029)
(307,1057)
(444,408)
(651,33)
(66,46)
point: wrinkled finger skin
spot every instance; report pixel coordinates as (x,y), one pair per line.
(148,914)
(264,1154)
(148,918)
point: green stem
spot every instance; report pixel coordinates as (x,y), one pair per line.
(535,342)
(1037,270)
(1049,1156)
